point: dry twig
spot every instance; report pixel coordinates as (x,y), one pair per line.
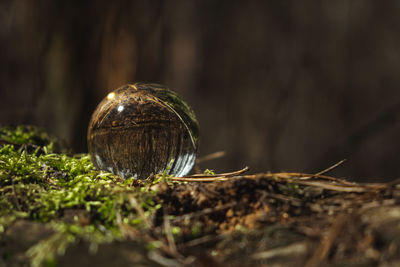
(327,242)
(316,180)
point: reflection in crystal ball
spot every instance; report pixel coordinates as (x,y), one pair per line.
(143,129)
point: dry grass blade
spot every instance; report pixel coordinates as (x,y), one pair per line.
(204,212)
(331,167)
(175,258)
(320,174)
(227,174)
(134,203)
(326,244)
(334,187)
(199,179)
(298,248)
(318,180)
(155,255)
(168,232)
(201,240)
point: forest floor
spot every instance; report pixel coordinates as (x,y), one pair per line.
(57,210)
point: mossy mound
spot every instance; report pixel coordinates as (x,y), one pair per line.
(71,199)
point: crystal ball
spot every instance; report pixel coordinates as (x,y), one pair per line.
(143,129)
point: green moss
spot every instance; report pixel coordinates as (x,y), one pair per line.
(209,172)
(25,135)
(39,185)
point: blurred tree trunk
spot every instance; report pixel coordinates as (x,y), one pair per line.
(278,85)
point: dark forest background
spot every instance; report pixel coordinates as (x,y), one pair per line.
(277,85)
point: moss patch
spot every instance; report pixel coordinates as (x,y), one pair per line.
(39,185)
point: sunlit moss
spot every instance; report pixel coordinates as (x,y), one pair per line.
(39,185)
(25,135)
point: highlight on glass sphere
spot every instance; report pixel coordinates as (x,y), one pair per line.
(143,129)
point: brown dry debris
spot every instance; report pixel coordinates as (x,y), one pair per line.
(283,219)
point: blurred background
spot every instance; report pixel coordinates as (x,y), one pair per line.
(277,85)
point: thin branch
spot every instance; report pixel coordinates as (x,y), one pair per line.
(321,181)
(322,252)
(168,233)
(298,248)
(204,212)
(134,203)
(331,167)
(226,174)
(201,240)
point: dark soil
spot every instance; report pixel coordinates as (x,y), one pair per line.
(254,222)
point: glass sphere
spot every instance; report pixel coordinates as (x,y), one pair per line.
(142,129)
